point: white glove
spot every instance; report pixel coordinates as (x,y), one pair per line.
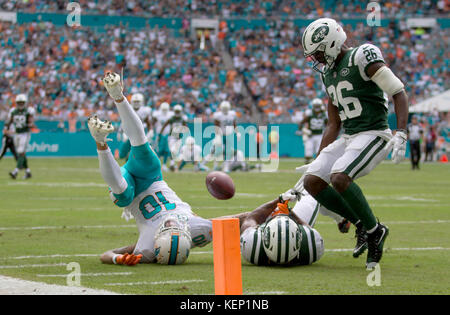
(399,142)
(113,85)
(289,195)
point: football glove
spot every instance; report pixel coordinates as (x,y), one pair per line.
(399,150)
(282,208)
(289,195)
(127,259)
(113,85)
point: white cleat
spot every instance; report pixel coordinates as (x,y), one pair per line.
(100,129)
(113,85)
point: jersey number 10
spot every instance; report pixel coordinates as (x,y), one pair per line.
(149,206)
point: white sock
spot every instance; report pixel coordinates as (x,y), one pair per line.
(16,170)
(131,124)
(110,171)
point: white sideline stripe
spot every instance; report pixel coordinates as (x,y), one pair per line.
(99,274)
(77,255)
(51,256)
(13,286)
(210,252)
(26,228)
(266,293)
(336,250)
(155,282)
(400,222)
(32,266)
(61,184)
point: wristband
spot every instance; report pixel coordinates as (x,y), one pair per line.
(114,259)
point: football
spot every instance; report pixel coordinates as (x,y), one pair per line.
(220,185)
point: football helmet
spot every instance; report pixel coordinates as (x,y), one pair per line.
(323,35)
(225,107)
(21,100)
(172,241)
(252,248)
(137,100)
(317,104)
(281,239)
(177,110)
(165,107)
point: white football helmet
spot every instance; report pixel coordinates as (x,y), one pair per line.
(252,248)
(137,100)
(165,107)
(177,109)
(172,242)
(323,35)
(282,238)
(225,107)
(317,104)
(21,100)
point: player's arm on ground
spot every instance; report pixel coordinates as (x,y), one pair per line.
(255,217)
(121,256)
(333,126)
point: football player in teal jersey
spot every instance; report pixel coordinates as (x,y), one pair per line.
(358,83)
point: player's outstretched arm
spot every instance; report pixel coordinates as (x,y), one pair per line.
(121,256)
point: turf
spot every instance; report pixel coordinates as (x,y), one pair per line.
(65,210)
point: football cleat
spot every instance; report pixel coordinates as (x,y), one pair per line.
(361,241)
(27,175)
(13,175)
(113,85)
(100,129)
(375,243)
(344,226)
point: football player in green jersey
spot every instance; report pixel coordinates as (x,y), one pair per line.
(358,84)
(22,118)
(313,126)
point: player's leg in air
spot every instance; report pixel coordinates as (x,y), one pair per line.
(139,188)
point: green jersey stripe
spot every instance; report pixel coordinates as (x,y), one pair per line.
(362,155)
(313,245)
(371,158)
(314,216)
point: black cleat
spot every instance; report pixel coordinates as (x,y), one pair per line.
(375,243)
(27,175)
(361,241)
(344,226)
(13,175)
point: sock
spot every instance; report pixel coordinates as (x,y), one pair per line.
(131,124)
(355,198)
(28,170)
(16,170)
(333,201)
(111,172)
(20,162)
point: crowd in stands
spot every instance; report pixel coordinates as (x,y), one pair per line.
(231,8)
(62,77)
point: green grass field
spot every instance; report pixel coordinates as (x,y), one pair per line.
(63,214)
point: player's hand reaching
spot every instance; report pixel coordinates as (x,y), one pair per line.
(127,259)
(113,85)
(399,146)
(289,195)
